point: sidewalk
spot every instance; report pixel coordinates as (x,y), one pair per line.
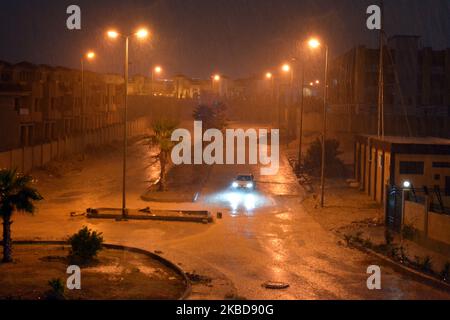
(359,221)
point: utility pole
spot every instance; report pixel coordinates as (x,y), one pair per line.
(380,131)
(83,120)
(125,133)
(300,135)
(324,131)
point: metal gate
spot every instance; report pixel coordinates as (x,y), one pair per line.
(393,208)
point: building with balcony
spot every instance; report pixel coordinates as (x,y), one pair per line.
(40,103)
(416,79)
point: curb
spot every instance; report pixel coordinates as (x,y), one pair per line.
(416,275)
(152,255)
(204,220)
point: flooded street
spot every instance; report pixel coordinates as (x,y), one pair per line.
(264,235)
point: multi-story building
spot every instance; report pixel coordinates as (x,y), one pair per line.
(39,103)
(416,79)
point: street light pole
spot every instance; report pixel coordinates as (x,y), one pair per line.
(83,125)
(88,56)
(324,130)
(300,142)
(141,33)
(125,132)
(151,85)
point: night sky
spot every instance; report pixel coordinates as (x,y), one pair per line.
(198,37)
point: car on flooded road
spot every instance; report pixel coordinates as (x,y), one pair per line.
(244,182)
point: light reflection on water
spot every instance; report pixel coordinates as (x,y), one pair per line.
(240,201)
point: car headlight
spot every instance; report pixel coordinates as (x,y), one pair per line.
(250,185)
(235,185)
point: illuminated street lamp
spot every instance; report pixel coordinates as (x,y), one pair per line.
(215,79)
(88,56)
(271,78)
(113,34)
(158,70)
(314,43)
(141,33)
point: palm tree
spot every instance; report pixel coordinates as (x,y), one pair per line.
(16,194)
(161,138)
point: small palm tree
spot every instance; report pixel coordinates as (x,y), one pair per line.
(161,138)
(16,194)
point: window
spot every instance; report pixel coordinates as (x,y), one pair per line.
(441,164)
(411,167)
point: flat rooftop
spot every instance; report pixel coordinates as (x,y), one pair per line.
(408,145)
(408,140)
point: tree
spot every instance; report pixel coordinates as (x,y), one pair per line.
(205,114)
(212,117)
(161,138)
(16,194)
(333,165)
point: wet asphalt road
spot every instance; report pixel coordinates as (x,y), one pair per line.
(275,241)
(281,242)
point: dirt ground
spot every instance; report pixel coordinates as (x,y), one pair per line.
(349,212)
(115,275)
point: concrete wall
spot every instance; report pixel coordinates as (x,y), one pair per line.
(434,226)
(415,214)
(27,158)
(439,227)
(428,178)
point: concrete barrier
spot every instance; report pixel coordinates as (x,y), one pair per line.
(27,158)
(5,159)
(439,227)
(46,153)
(54,153)
(415,214)
(37,156)
(17,159)
(61,148)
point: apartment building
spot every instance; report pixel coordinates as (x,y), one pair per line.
(416,79)
(39,103)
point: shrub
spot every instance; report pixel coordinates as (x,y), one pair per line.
(445,273)
(388,237)
(403,255)
(424,264)
(334,167)
(85,245)
(57,290)
(409,232)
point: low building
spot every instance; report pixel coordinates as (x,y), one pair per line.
(421,163)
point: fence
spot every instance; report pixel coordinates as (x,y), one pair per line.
(421,217)
(27,158)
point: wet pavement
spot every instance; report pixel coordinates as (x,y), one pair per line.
(263,236)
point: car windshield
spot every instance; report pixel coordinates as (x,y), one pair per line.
(244,178)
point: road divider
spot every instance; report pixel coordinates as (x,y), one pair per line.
(198,216)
